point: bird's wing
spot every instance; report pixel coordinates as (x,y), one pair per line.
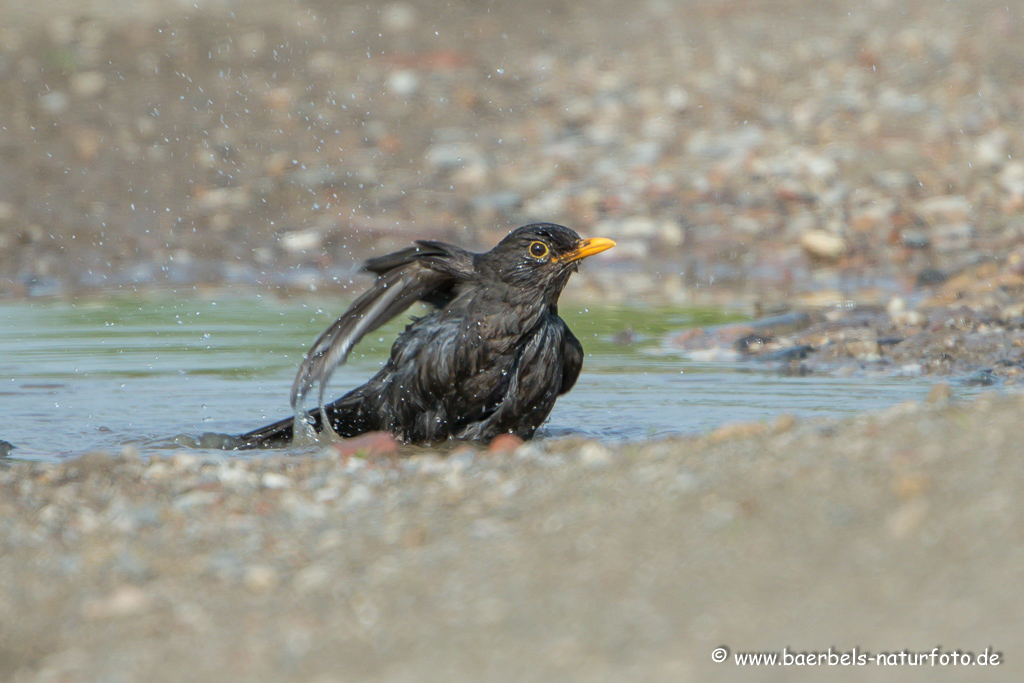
(572,361)
(427,272)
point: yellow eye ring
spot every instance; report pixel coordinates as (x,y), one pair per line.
(538,249)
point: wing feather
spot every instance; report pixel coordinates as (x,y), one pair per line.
(427,272)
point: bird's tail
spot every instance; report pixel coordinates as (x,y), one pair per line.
(346,415)
(274,435)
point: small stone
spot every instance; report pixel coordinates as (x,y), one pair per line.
(398,17)
(983,378)
(87,142)
(125,601)
(684,482)
(678,100)
(914,239)
(313,578)
(158,471)
(301,241)
(454,480)
(866,349)
(260,578)
(61,30)
(910,486)
(504,443)
(595,455)
(944,209)
(451,156)
(88,84)
(327,494)
(896,307)
(280,98)
(823,245)
(578,111)
(461,458)
(915,319)
(54,103)
(910,370)
(403,83)
(371,443)
(275,481)
(1011,179)
(739,430)
(194,499)
(183,461)
(300,509)
(955,237)
(357,496)
(252,44)
(237,478)
(990,151)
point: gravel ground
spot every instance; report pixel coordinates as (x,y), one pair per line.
(791,150)
(559,560)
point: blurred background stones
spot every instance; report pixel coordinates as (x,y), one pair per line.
(773,151)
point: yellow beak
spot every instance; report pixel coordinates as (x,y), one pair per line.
(585,248)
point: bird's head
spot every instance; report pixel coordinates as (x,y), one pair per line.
(540,257)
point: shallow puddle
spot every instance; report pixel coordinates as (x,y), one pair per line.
(99,375)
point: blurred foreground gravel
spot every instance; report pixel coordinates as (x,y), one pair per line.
(561,560)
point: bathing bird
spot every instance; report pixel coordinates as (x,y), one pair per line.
(490,357)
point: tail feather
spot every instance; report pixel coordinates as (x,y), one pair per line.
(346,415)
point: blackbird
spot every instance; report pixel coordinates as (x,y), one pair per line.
(490,358)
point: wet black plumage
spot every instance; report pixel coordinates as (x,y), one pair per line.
(491,358)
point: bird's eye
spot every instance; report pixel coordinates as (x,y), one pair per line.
(538,249)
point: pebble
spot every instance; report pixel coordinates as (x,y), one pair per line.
(300,509)
(867,350)
(944,209)
(450,156)
(275,481)
(260,578)
(823,245)
(301,241)
(504,443)
(370,444)
(61,30)
(403,82)
(126,601)
(594,455)
(54,103)
(398,17)
(896,307)
(312,579)
(358,496)
(183,461)
(196,499)
(88,84)
(237,478)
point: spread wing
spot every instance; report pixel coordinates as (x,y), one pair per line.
(429,272)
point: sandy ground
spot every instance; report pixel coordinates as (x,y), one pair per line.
(784,155)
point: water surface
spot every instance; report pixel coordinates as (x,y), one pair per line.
(76,377)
